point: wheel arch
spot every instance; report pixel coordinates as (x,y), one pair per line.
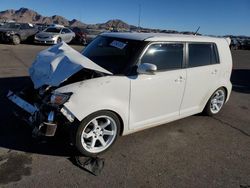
(226,93)
(20,37)
(121,121)
(116,113)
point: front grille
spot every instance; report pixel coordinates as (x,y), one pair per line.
(42,37)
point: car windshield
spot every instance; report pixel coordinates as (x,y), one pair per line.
(114,54)
(11,26)
(52,30)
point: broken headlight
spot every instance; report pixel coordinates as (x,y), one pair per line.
(59,98)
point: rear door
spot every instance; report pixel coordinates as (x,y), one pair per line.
(156,98)
(203,70)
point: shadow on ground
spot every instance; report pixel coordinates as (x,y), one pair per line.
(240,79)
(15,135)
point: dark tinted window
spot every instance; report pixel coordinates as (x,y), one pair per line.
(26,26)
(11,26)
(114,54)
(52,30)
(164,56)
(202,54)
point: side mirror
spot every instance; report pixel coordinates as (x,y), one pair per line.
(146,68)
(62,32)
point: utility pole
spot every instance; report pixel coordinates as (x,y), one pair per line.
(139,19)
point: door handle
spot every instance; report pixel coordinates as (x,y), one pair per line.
(214,71)
(180,79)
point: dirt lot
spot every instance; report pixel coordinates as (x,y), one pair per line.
(197,151)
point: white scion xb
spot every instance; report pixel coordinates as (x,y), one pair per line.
(126,82)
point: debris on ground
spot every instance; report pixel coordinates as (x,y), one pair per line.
(94,165)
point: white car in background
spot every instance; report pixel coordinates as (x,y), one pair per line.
(123,83)
(55,34)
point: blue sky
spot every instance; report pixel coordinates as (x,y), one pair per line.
(217,17)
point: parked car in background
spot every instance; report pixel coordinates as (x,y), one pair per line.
(17,32)
(235,44)
(123,83)
(41,27)
(245,44)
(80,35)
(54,35)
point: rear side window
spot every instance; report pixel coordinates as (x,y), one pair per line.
(202,54)
(164,56)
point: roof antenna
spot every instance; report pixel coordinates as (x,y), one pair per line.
(197,31)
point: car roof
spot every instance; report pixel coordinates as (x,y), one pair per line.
(162,37)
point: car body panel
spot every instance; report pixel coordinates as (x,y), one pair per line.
(104,93)
(196,78)
(156,98)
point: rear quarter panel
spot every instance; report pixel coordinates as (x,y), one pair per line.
(226,64)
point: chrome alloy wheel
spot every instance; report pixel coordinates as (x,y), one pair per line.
(99,134)
(217,101)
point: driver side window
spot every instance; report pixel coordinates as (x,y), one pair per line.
(165,56)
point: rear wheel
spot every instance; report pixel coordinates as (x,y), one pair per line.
(215,102)
(16,40)
(97,133)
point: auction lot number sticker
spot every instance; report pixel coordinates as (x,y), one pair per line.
(118,44)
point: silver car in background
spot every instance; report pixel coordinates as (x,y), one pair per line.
(54,35)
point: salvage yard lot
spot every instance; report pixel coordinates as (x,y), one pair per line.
(197,151)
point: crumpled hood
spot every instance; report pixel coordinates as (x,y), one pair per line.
(57,63)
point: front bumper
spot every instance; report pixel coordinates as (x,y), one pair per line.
(43,124)
(45,41)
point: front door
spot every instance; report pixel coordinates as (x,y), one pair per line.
(156,98)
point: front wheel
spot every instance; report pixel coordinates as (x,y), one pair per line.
(97,133)
(215,102)
(16,40)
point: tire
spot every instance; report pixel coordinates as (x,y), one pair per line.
(97,133)
(59,40)
(215,103)
(83,42)
(16,40)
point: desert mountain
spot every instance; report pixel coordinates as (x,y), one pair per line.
(31,16)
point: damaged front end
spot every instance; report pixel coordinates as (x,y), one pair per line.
(40,105)
(41,110)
